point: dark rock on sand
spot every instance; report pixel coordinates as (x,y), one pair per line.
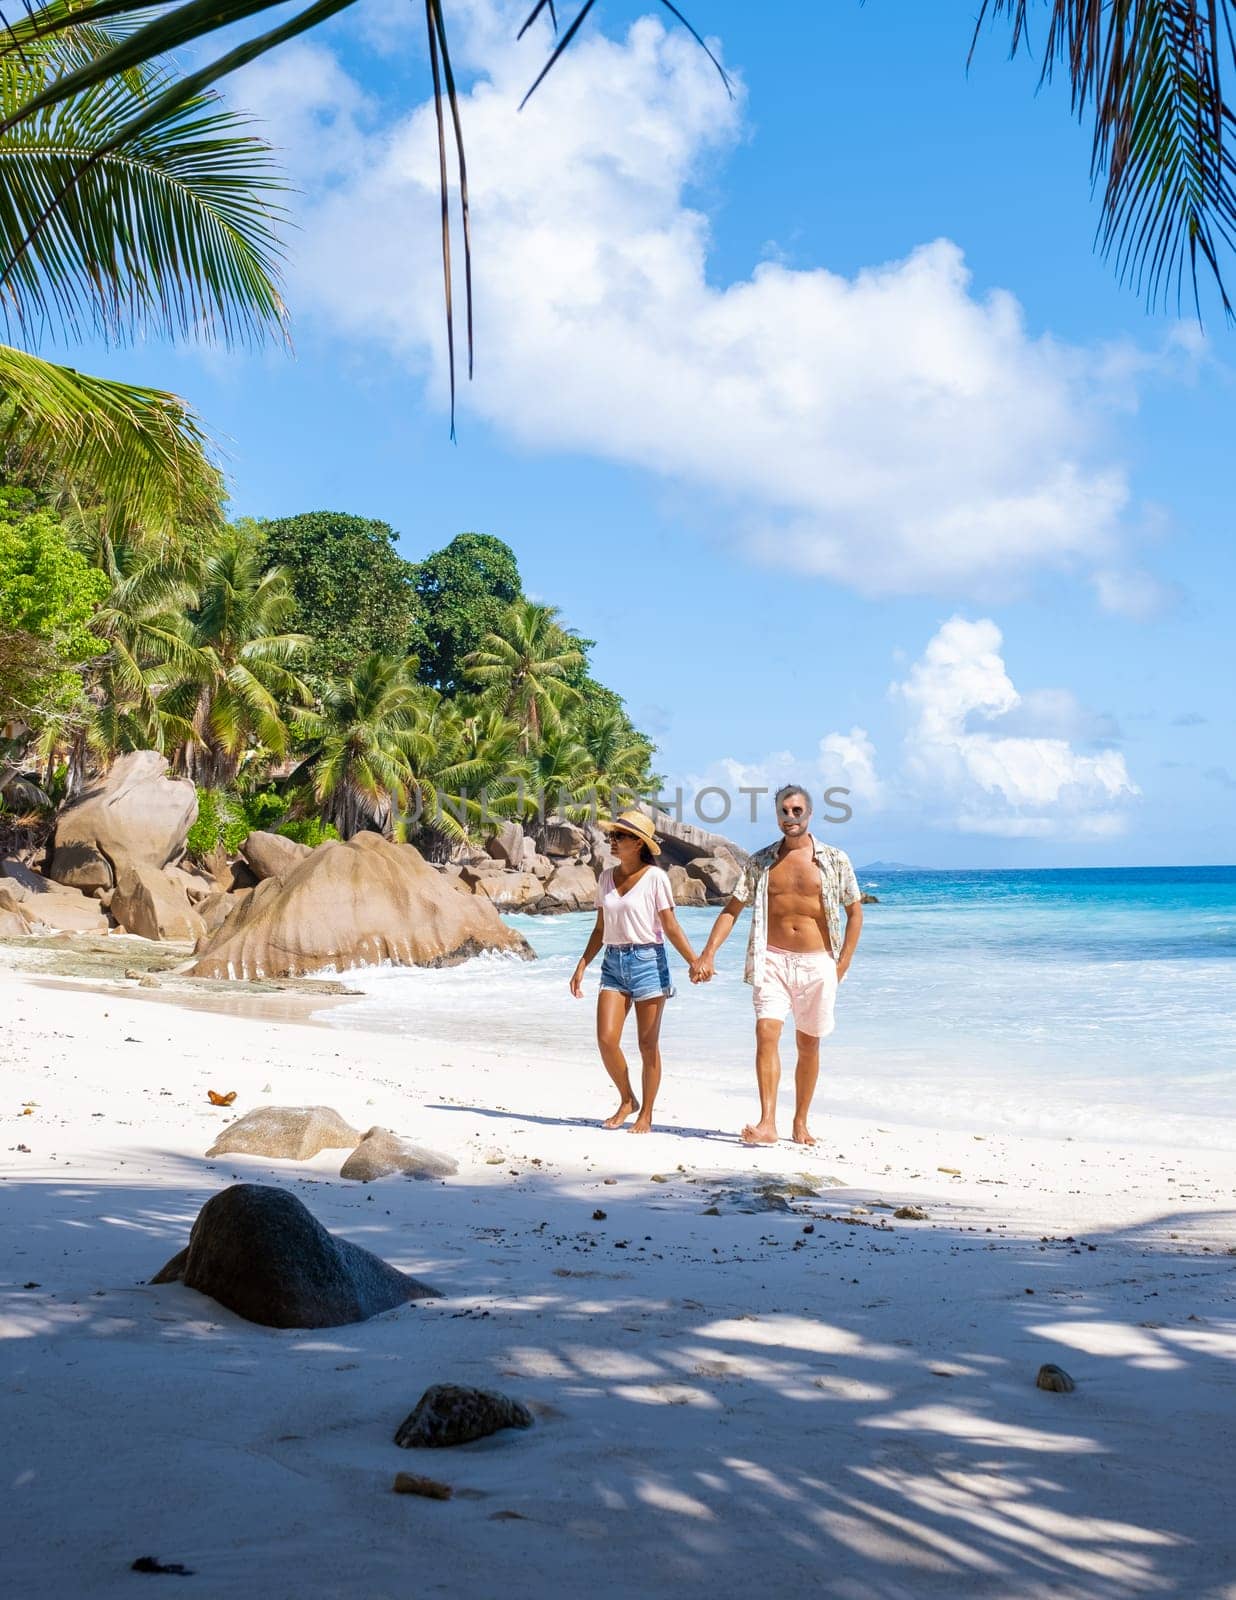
(382,1153)
(1055,1379)
(449,1413)
(258,1251)
(285,1133)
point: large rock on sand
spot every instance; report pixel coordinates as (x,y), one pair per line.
(147,902)
(53,905)
(573,887)
(258,1251)
(381,1154)
(718,874)
(134,816)
(683,841)
(270,855)
(688,891)
(285,1133)
(354,905)
(16,920)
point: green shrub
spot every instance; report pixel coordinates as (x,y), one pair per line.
(220,821)
(308,830)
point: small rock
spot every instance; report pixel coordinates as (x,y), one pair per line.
(910,1214)
(1053,1378)
(153,1564)
(495,1158)
(450,1413)
(427,1488)
(382,1153)
(285,1133)
(598,1215)
(148,981)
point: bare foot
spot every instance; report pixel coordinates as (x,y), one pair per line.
(760,1133)
(641,1124)
(802,1135)
(628,1108)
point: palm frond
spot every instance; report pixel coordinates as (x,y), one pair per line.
(139,448)
(170,229)
(1151,74)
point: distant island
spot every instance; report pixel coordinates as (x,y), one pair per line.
(890,866)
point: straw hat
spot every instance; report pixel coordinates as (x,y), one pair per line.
(635,823)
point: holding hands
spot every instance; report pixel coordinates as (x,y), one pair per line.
(702,969)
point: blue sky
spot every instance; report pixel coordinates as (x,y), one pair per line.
(958,510)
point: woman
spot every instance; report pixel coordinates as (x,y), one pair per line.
(635,914)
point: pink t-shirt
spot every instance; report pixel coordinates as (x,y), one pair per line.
(634,917)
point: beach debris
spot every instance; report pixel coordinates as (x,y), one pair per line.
(176,1569)
(450,1414)
(285,1133)
(752,1195)
(495,1158)
(658,1177)
(266,1089)
(149,981)
(1054,1379)
(217,1099)
(260,1252)
(427,1488)
(382,1153)
(598,1215)
(910,1214)
(951,1172)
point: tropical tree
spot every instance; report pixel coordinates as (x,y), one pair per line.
(618,756)
(126,209)
(236,684)
(362,740)
(145,639)
(463,591)
(48,599)
(524,664)
(354,592)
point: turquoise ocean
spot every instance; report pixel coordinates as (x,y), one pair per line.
(1095,1003)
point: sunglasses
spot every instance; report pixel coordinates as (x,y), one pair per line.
(793,811)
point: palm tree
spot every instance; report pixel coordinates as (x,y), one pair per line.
(617,755)
(110,229)
(362,743)
(235,680)
(152,584)
(524,665)
(1147,74)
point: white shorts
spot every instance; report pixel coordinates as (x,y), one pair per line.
(800,983)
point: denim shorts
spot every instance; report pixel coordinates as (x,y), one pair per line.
(639,970)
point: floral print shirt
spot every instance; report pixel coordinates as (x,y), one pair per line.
(838,887)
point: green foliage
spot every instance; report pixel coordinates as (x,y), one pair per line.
(464,591)
(308,830)
(220,821)
(525,662)
(354,593)
(48,596)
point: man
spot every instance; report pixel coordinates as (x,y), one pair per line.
(795,955)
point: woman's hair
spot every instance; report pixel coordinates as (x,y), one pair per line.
(646,856)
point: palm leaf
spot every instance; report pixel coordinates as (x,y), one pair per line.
(169,228)
(1150,73)
(139,448)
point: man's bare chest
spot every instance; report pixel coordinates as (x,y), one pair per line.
(795,877)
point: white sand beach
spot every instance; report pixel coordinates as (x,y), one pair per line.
(823,1400)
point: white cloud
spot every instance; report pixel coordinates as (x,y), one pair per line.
(981,780)
(1135,594)
(893,430)
(977,755)
(848,760)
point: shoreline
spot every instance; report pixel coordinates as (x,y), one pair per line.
(821,1392)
